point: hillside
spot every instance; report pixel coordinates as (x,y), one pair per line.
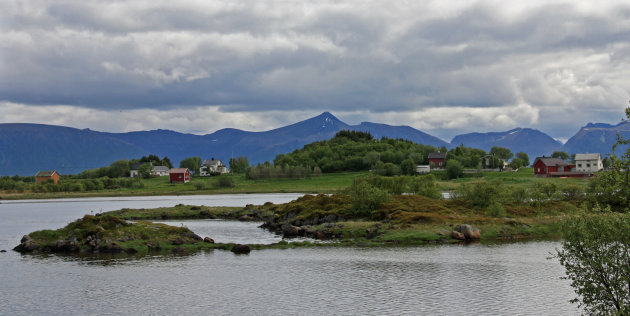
(597,138)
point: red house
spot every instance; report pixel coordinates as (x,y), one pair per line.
(438,160)
(179,175)
(47,175)
(551,167)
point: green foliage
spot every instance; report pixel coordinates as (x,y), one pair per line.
(225,182)
(480,194)
(357,151)
(547,189)
(144,170)
(501,152)
(192,163)
(495,210)
(596,255)
(454,169)
(199,185)
(560,154)
(523,157)
(268,171)
(467,157)
(366,198)
(408,167)
(239,164)
(425,186)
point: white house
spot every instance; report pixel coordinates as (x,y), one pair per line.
(423,169)
(156,171)
(588,162)
(209,167)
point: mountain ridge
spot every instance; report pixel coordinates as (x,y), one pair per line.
(26,148)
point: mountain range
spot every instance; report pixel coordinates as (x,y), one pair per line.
(28,148)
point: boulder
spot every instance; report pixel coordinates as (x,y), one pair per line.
(246,218)
(27,244)
(193,236)
(457,235)
(289,230)
(469,232)
(241,249)
(208,240)
(177,241)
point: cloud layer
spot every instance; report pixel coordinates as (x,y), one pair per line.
(439,66)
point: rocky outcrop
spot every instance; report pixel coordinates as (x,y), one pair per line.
(466,232)
(241,249)
(208,240)
(27,244)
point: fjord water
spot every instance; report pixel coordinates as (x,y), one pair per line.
(500,279)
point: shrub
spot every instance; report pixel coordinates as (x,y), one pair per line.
(366,198)
(454,169)
(595,253)
(425,186)
(199,185)
(225,182)
(480,194)
(495,210)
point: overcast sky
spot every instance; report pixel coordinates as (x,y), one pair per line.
(444,67)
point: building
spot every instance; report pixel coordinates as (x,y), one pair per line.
(423,169)
(160,171)
(210,167)
(156,171)
(556,167)
(588,163)
(179,175)
(438,160)
(43,176)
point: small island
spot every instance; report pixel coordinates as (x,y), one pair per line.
(400,220)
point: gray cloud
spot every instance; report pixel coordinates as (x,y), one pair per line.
(375,60)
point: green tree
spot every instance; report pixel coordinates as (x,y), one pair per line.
(560,154)
(501,152)
(596,255)
(192,163)
(119,168)
(366,198)
(454,169)
(408,167)
(145,170)
(239,164)
(167,162)
(524,157)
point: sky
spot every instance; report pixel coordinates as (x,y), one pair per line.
(443,67)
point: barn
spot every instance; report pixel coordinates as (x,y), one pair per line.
(437,159)
(47,175)
(179,175)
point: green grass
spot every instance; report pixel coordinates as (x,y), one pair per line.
(327,183)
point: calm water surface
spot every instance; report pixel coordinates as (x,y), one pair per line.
(507,279)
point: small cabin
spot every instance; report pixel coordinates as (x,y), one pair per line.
(43,176)
(438,160)
(179,175)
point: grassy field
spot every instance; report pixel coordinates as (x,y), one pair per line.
(327,183)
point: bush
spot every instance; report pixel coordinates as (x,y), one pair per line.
(495,210)
(199,185)
(225,182)
(454,169)
(366,198)
(595,253)
(425,186)
(480,194)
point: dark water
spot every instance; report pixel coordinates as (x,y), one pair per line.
(507,279)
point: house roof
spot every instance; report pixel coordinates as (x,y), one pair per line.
(587,156)
(136,165)
(178,170)
(212,162)
(437,155)
(160,168)
(46,173)
(548,161)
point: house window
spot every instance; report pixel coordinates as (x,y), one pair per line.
(588,165)
(538,169)
(580,165)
